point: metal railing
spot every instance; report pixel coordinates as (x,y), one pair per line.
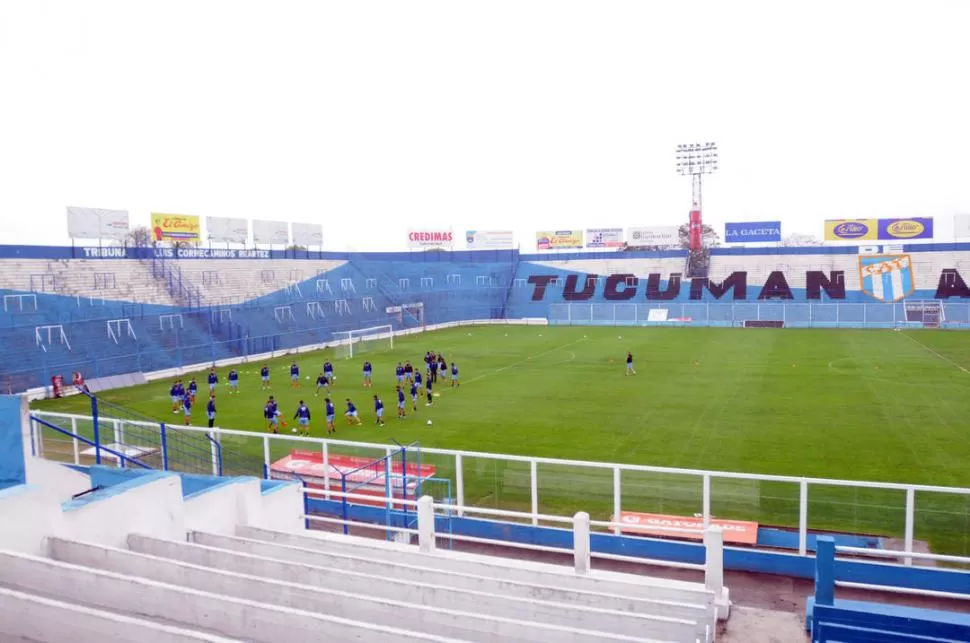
(532,487)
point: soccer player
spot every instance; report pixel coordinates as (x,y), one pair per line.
(264,374)
(294,375)
(271,414)
(399,373)
(442,366)
(322,383)
(454,375)
(414,393)
(176,399)
(331,416)
(233,381)
(210,410)
(368,374)
(400,403)
(379,410)
(187,409)
(408,371)
(328,371)
(302,416)
(351,413)
(629,364)
(429,361)
(427,388)
(213,380)
(193,389)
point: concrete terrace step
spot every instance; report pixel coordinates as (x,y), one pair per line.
(461,592)
(28,617)
(222,615)
(482,625)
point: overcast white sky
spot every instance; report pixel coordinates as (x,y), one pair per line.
(376,116)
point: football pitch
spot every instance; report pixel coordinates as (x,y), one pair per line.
(847,404)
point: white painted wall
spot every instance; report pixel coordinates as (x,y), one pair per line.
(28,514)
(283,509)
(217,509)
(57,478)
(154,507)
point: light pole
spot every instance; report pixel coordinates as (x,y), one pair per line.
(696,160)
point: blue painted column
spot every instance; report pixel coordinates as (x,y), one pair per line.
(13,470)
(825,571)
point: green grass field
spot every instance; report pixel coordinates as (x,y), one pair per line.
(861,405)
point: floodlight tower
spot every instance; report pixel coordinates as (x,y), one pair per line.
(696,160)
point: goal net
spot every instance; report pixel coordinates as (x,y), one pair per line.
(363,340)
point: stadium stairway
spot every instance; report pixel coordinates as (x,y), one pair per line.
(164,557)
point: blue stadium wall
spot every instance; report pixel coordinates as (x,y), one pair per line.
(369,289)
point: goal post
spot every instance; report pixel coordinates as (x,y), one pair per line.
(363,340)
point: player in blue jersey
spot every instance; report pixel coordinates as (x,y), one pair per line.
(272,415)
(629,364)
(442,366)
(176,398)
(210,410)
(408,372)
(399,372)
(187,410)
(432,372)
(322,383)
(368,374)
(417,377)
(213,380)
(264,375)
(331,416)
(294,375)
(351,413)
(379,410)
(328,371)
(454,375)
(233,381)
(401,404)
(302,416)
(427,389)
(414,395)
(193,389)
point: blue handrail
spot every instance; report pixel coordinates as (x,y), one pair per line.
(122,457)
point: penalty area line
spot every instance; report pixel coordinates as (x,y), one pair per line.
(930,350)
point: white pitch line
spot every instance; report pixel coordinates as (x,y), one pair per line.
(943,357)
(522,361)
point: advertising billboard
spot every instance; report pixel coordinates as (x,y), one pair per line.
(175,227)
(488,239)
(604,237)
(271,232)
(227,230)
(97,223)
(430,238)
(308,234)
(559,240)
(752,232)
(664,235)
(878,229)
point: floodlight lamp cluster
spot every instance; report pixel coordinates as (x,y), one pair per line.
(696,158)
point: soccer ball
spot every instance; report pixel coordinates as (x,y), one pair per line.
(294,429)
(429,422)
(308,377)
(620,337)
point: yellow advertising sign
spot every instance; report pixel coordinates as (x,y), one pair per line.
(852,230)
(175,227)
(559,239)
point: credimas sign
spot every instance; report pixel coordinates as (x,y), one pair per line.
(424,239)
(878,229)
